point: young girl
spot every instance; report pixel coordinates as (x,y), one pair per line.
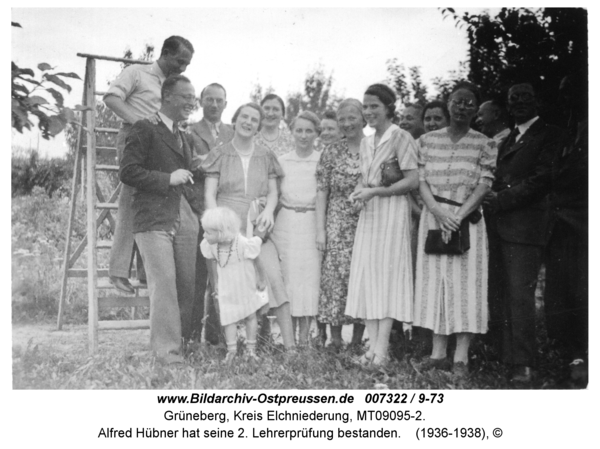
(236,284)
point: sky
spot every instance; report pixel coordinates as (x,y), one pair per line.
(240,47)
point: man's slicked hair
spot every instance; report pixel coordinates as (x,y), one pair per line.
(172,44)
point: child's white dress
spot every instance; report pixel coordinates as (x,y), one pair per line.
(237,293)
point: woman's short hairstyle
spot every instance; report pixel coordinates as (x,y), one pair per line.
(274,97)
(222,220)
(311,117)
(249,105)
(466,85)
(436,104)
(329,115)
(386,95)
(352,103)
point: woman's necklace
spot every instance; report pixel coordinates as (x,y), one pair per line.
(229,251)
(244,153)
(269,140)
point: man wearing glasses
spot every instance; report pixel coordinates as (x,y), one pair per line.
(157,162)
(517,209)
(203,136)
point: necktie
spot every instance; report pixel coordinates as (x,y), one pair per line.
(177,135)
(512,137)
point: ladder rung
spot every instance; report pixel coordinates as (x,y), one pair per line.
(107,130)
(111,206)
(105,283)
(107,167)
(124,324)
(124,301)
(104,151)
(83,272)
(104,244)
(99,93)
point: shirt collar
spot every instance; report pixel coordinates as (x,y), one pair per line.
(166,120)
(386,135)
(523,127)
(155,68)
(211,124)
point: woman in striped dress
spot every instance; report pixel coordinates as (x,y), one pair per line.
(455,163)
(381,280)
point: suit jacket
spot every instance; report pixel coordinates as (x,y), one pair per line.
(151,154)
(201,139)
(202,142)
(523,180)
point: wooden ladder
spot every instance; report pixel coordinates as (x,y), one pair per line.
(98,209)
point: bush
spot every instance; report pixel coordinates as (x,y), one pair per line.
(29,171)
(39,222)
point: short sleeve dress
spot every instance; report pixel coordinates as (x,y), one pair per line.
(451,290)
(338,171)
(280,146)
(381,279)
(237,296)
(237,191)
(295,232)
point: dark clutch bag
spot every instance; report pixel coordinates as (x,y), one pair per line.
(390,172)
(458,244)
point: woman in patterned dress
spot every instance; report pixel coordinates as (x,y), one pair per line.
(455,163)
(338,173)
(237,174)
(295,231)
(330,131)
(381,280)
(274,133)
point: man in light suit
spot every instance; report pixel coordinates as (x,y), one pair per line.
(157,162)
(517,209)
(203,136)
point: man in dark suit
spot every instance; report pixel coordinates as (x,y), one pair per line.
(157,162)
(517,209)
(208,133)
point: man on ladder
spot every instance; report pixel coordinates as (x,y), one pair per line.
(135,95)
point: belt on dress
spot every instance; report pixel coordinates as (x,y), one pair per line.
(299,210)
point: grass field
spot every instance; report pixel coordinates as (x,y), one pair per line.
(44,358)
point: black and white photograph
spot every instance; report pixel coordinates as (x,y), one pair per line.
(251,199)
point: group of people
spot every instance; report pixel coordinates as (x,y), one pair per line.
(321,221)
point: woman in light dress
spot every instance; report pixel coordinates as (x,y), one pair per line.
(238,174)
(381,277)
(295,231)
(457,164)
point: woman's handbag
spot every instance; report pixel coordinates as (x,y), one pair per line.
(458,244)
(390,172)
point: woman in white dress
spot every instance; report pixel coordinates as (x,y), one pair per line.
(381,277)
(295,231)
(456,167)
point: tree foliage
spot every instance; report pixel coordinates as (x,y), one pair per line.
(409,88)
(540,46)
(39,97)
(258,92)
(317,96)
